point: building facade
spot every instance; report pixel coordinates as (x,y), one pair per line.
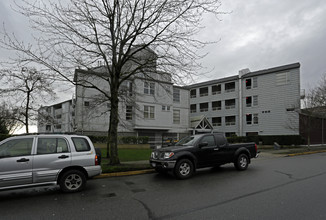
(57,118)
(262,102)
(252,103)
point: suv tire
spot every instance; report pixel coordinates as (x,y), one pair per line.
(72,181)
(242,162)
(184,169)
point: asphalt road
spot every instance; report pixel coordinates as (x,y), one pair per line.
(271,188)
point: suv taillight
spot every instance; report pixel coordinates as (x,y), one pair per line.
(256,147)
(96,160)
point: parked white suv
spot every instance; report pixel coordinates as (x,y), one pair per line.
(45,159)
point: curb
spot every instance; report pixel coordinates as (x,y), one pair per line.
(306,153)
(127,173)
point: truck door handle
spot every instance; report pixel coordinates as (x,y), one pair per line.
(63,157)
(22,160)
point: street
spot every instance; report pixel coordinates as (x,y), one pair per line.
(271,188)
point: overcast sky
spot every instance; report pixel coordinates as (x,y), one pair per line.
(255,34)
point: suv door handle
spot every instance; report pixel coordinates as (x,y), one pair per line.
(63,157)
(22,160)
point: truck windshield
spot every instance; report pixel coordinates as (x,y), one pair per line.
(187,141)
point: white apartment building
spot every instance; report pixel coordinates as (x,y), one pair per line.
(56,118)
(251,103)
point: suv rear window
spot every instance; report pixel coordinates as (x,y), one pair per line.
(81,144)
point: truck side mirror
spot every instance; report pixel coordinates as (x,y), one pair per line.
(203,144)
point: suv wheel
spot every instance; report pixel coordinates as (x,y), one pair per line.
(72,181)
(242,162)
(184,169)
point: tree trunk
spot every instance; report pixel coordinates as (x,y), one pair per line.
(26,112)
(113,130)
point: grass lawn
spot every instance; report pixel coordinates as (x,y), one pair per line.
(126,155)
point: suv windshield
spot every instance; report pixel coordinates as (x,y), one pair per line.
(187,141)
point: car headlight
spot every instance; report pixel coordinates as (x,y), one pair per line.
(168,155)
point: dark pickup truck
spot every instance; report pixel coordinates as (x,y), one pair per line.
(199,151)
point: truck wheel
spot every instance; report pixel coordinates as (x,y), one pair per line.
(242,162)
(184,169)
(72,181)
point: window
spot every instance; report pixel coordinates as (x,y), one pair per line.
(256,119)
(249,119)
(230,134)
(58,127)
(248,101)
(230,104)
(149,88)
(229,120)
(15,148)
(176,95)
(48,127)
(216,89)
(128,112)
(129,88)
(216,105)
(166,108)
(193,93)
(86,103)
(203,91)
(81,144)
(48,110)
(255,100)
(149,112)
(58,117)
(282,78)
(176,116)
(210,140)
(229,87)
(217,121)
(203,107)
(193,108)
(254,82)
(251,83)
(51,146)
(248,83)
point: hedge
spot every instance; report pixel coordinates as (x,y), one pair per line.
(121,140)
(268,139)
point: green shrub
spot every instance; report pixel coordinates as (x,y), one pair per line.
(268,139)
(121,139)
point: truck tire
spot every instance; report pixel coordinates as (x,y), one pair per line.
(72,181)
(184,169)
(241,162)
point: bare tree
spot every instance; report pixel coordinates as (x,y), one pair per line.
(83,32)
(26,87)
(314,107)
(8,117)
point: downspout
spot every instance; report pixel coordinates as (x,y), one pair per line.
(240,105)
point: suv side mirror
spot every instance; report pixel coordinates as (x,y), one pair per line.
(203,144)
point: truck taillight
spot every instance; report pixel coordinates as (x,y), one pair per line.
(256,147)
(96,160)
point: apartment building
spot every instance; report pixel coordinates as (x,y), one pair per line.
(262,102)
(150,106)
(56,118)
